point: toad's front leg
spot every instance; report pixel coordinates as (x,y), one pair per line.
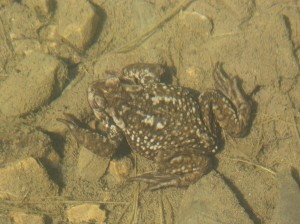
(104,140)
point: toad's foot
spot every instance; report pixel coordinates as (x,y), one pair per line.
(229,87)
(97,142)
(228,105)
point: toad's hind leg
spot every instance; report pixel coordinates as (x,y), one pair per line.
(228,106)
(143,73)
(103,142)
(176,170)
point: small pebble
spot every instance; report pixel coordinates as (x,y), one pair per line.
(120,169)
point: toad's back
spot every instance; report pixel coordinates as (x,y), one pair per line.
(162,117)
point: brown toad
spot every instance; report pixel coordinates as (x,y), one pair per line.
(167,124)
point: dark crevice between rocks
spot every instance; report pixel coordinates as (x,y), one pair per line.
(123,150)
(295,175)
(102,17)
(48,220)
(54,173)
(290,36)
(241,199)
(58,144)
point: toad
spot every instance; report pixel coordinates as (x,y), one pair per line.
(171,125)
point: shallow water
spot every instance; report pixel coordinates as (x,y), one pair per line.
(46,65)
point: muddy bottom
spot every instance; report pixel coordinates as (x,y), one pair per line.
(51,51)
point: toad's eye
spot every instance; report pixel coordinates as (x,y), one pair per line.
(112,82)
(99,101)
(91,90)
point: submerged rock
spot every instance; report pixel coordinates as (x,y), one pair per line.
(210,201)
(287,210)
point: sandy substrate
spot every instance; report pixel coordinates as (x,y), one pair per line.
(50,51)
